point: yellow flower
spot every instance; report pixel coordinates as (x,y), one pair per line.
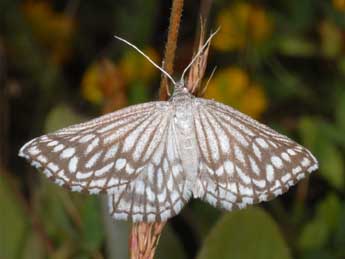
(259,25)
(229,36)
(90,85)
(239,81)
(53,30)
(339,5)
(101,82)
(135,67)
(242,23)
(232,86)
(229,82)
(331,39)
(254,101)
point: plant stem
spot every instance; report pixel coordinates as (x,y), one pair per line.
(145,236)
(144,239)
(170,47)
(205,8)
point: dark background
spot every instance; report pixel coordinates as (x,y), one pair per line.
(281,62)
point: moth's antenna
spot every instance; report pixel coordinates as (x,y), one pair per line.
(199,53)
(147,57)
(208,81)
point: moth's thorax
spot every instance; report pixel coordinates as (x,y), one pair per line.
(182,102)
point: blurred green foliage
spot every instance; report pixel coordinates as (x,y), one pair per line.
(245,234)
(282,62)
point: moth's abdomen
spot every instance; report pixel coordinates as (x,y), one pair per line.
(185,134)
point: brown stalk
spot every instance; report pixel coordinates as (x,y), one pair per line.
(205,8)
(197,70)
(144,236)
(144,239)
(170,47)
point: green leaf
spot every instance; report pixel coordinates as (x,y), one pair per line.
(332,165)
(289,82)
(296,46)
(204,216)
(340,111)
(138,93)
(339,236)
(62,116)
(49,203)
(316,233)
(331,39)
(332,133)
(341,65)
(91,223)
(309,131)
(329,210)
(320,136)
(316,132)
(34,247)
(243,234)
(300,16)
(169,246)
(140,28)
(13,222)
(317,254)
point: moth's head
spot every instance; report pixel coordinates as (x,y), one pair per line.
(180,85)
(180,89)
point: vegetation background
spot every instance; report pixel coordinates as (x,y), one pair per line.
(281,62)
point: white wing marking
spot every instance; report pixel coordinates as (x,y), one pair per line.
(130,154)
(259,165)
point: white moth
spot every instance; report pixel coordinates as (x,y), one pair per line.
(153,157)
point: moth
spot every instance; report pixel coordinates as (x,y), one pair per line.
(152,158)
